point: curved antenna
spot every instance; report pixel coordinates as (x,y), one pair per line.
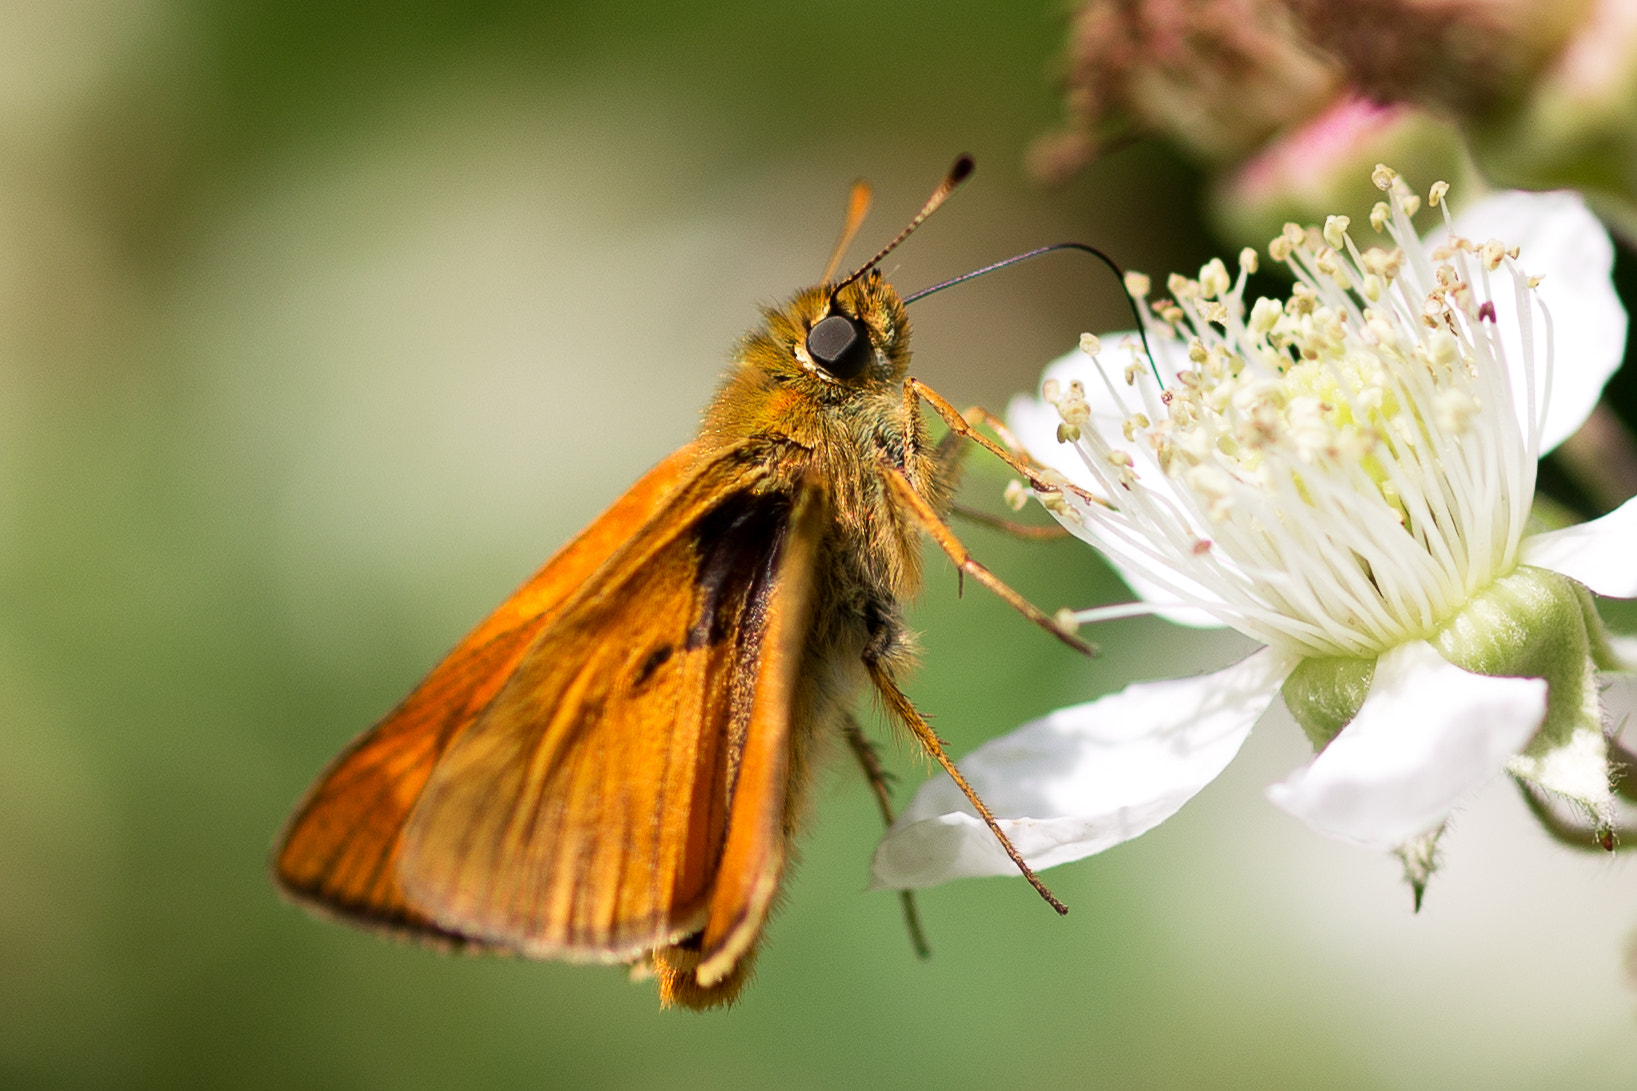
(858,206)
(960,172)
(1082,248)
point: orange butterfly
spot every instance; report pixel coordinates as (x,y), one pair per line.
(611,767)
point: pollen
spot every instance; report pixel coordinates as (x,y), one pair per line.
(1213,279)
(1335,230)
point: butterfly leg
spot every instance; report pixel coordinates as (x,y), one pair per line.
(870,762)
(947,458)
(976,414)
(1016,530)
(1040,478)
(900,706)
(939,532)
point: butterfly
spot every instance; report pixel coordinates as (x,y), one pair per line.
(612,766)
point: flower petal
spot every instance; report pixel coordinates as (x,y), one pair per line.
(1598,554)
(1428,734)
(1561,241)
(1082,779)
(1034,422)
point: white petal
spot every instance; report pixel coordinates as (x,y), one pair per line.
(1560,240)
(1082,779)
(1428,734)
(1034,422)
(1601,554)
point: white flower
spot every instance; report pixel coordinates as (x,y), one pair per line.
(1347,478)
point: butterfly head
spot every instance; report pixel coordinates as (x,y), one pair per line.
(831,342)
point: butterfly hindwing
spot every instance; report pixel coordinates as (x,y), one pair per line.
(760,823)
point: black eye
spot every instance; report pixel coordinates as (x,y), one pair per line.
(840,345)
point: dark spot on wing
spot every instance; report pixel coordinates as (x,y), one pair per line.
(738,545)
(656,659)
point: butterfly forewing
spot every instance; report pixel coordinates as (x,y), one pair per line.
(340,850)
(584,813)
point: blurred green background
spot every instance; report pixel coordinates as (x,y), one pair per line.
(321,324)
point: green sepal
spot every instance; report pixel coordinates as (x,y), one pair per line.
(1419,855)
(1533,623)
(1325,693)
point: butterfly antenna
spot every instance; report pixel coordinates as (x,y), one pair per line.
(960,172)
(1079,246)
(858,206)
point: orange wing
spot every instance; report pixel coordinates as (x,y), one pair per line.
(576,777)
(627,786)
(340,849)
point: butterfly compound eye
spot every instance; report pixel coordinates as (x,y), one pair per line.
(840,345)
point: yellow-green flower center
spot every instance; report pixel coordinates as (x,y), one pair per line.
(1336,474)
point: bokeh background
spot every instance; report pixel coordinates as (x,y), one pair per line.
(321,324)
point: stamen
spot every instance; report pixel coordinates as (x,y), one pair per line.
(1335,474)
(1123,610)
